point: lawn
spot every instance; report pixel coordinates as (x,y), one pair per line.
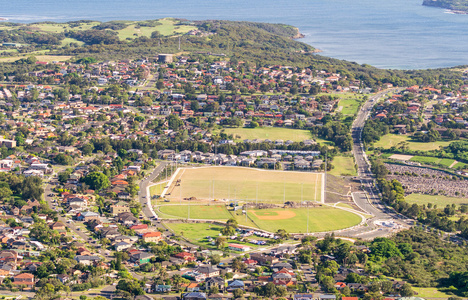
(430,293)
(68,41)
(433,160)
(439,200)
(343,165)
(271,133)
(460,165)
(61,27)
(157,189)
(8,50)
(390,140)
(237,183)
(47,58)
(295,220)
(208,212)
(197,233)
(350,106)
(345,205)
(292,220)
(167,27)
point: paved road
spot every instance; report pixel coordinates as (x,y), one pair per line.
(48,191)
(368,200)
(144,195)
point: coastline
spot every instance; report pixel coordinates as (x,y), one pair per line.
(298,35)
(449,8)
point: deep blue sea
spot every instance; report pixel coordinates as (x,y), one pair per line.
(396,34)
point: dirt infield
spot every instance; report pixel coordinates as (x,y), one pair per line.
(278,215)
(401,157)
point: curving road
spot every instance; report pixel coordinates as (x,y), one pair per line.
(144,195)
(368,200)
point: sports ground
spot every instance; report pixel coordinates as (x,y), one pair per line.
(293,220)
(244,184)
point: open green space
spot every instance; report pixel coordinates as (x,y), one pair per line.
(61,27)
(295,220)
(345,205)
(271,133)
(237,183)
(340,95)
(165,27)
(430,293)
(68,41)
(439,200)
(389,140)
(433,160)
(157,189)
(208,212)
(460,165)
(47,58)
(350,106)
(292,220)
(134,29)
(343,165)
(197,233)
(8,50)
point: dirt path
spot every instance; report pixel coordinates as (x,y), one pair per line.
(453,164)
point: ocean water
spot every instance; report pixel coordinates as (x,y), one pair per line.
(396,34)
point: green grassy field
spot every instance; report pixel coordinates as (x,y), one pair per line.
(320,219)
(439,200)
(271,133)
(157,189)
(61,27)
(460,165)
(68,41)
(343,165)
(433,160)
(430,293)
(167,27)
(345,205)
(47,58)
(197,233)
(389,140)
(350,106)
(8,50)
(249,184)
(209,212)
(292,220)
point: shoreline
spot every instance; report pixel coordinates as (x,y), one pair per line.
(298,35)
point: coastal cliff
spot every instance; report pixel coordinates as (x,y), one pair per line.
(456,6)
(298,34)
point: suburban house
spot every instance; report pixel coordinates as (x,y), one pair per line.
(24,279)
(214,282)
(141,258)
(194,296)
(153,236)
(237,247)
(87,259)
(119,207)
(234,285)
(208,270)
(187,257)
